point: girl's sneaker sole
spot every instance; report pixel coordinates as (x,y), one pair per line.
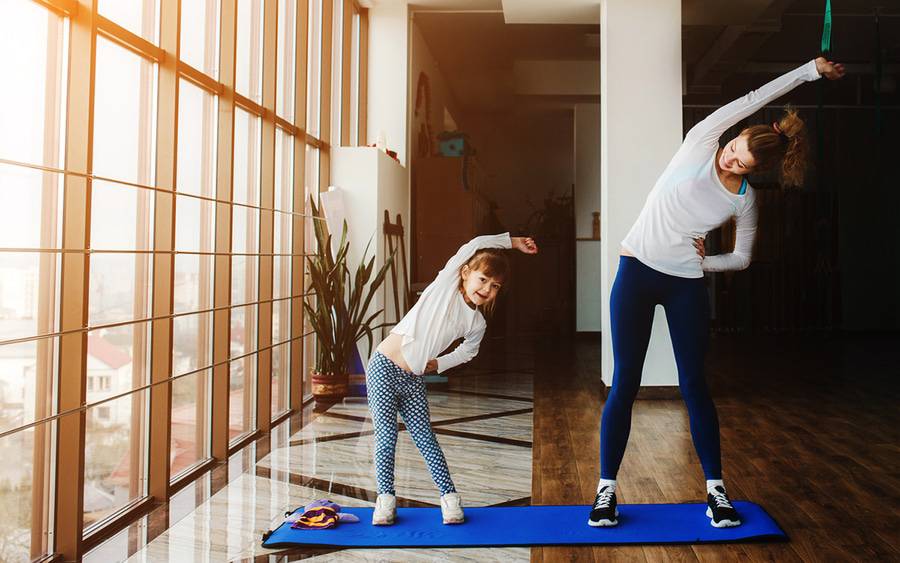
(451,522)
(722,523)
(389,522)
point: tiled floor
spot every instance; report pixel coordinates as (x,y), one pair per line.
(809,427)
(484,424)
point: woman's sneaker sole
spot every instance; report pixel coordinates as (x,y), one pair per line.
(721,524)
(604,522)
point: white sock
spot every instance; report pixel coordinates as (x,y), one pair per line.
(611,483)
(711,485)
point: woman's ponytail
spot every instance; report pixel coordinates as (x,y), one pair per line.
(782,145)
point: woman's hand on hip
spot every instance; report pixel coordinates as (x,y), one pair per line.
(525,245)
(830,69)
(700,245)
(431,366)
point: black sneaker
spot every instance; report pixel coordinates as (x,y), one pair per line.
(719,509)
(604,511)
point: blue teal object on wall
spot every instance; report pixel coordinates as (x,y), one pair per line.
(455,146)
(826,29)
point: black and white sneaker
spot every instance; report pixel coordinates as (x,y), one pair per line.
(719,509)
(604,511)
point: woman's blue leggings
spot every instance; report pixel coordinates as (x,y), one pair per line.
(635,294)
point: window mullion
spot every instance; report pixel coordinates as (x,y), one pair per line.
(71,383)
(222,282)
(267,196)
(160,414)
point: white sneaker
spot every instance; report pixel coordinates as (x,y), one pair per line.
(451,509)
(385,510)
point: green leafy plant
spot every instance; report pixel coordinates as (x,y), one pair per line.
(340,316)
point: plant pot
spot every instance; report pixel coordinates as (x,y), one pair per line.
(328,388)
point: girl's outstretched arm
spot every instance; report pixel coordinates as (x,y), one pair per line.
(466,251)
(525,245)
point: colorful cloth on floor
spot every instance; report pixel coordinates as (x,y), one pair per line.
(318,515)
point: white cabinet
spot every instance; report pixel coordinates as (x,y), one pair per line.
(370,182)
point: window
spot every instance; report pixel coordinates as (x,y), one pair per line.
(248,63)
(287,47)
(200,35)
(140,17)
(115,458)
(314,68)
(283,216)
(32,114)
(355,55)
(124,114)
(158,234)
(192,328)
(311,189)
(338,77)
(242,382)
(348,59)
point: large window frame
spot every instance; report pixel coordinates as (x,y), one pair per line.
(60,428)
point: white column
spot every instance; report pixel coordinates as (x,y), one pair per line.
(587,200)
(388,78)
(640,124)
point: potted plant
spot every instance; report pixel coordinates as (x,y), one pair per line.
(340,314)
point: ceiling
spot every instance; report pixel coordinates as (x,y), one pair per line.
(477,50)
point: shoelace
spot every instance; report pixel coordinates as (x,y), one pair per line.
(603,499)
(722,500)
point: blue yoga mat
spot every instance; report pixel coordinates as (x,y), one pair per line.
(535,525)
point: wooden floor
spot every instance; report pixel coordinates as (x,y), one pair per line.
(810,430)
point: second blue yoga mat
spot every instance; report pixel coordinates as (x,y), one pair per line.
(533,526)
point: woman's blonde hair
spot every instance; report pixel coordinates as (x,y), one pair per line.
(782,145)
(492,263)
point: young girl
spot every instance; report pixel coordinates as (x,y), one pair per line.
(450,308)
(663,260)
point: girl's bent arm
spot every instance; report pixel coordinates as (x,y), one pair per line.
(463,353)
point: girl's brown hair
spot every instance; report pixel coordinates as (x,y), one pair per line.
(492,263)
(782,145)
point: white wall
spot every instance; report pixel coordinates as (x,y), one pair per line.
(549,78)
(388,75)
(588,298)
(640,124)
(422,60)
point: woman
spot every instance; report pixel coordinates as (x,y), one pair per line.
(663,260)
